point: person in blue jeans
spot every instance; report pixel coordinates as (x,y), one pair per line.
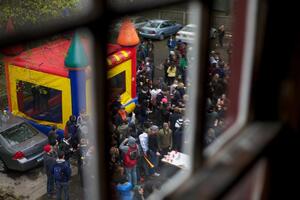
(62,175)
(131,154)
(171,43)
(49,161)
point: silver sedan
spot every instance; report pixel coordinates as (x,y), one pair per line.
(21,145)
(159,29)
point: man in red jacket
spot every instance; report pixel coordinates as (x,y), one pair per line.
(131,153)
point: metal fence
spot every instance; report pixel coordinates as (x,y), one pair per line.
(178,16)
(182,17)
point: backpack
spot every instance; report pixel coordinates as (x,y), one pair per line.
(133,154)
(130,158)
(58,172)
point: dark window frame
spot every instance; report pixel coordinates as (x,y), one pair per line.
(98,17)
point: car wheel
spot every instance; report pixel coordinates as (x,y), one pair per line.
(3,167)
(161,36)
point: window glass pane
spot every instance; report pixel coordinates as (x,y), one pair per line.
(17,16)
(39,102)
(49,85)
(153,115)
(230,71)
(218,100)
(118,84)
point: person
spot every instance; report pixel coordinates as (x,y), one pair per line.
(163,112)
(165,139)
(82,117)
(221,34)
(124,189)
(71,131)
(150,49)
(183,67)
(152,186)
(52,136)
(209,136)
(70,128)
(139,193)
(115,105)
(62,175)
(131,154)
(5,116)
(153,149)
(83,147)
(171,74)
(143,138)
(66,147)
(121,116)
(174,116)
(178,135)
(49,161)
(171,43)
(82,130)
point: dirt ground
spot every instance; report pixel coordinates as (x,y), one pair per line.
(26,185)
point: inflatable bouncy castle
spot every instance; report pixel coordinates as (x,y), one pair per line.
(49,83)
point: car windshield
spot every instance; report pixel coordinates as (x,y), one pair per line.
(189,29)
(19,134)
(152,24)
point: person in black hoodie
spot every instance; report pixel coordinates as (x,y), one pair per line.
(144,94)
(178,138)
(174,116)
(153,149)
(52,136)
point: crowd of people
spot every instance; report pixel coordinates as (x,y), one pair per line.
(156,126)
(59,152)
(141,138)
(217,101)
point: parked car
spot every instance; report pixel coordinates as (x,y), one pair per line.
(187,33)
(159,29)
(138,21)
(21,145)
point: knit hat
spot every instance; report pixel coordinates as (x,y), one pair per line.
(131,141)
(164,100)
(47,148)
(154,128)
